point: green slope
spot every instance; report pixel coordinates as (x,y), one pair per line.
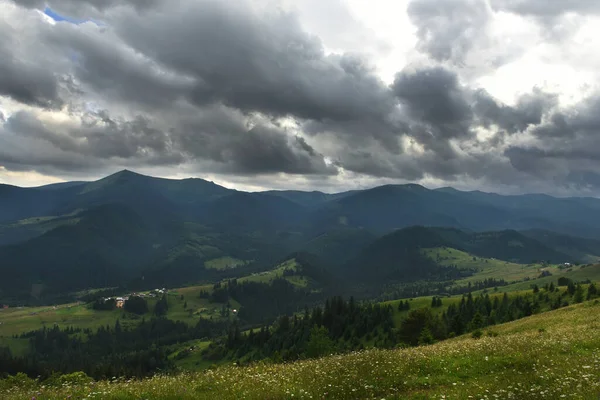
(486,268)
(400,255)
(105,246)
(584,249)
(544,356)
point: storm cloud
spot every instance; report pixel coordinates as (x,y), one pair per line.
(246,91)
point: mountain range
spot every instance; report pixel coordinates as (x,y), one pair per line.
(128,226)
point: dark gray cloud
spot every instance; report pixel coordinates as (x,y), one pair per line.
(98,136)
(563,146)
(255,62)
(220,136)
(28,84)
(103,64)
(433,96)
(447,30)
(236,145)
(528,110)
(263,150)
(21,79)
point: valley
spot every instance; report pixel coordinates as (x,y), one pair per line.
(299,199)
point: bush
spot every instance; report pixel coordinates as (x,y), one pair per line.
(19,380)
(492,334)
(564,281)
(477,334)
(136,305)
(75,378)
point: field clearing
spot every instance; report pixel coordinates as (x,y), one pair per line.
(15,321)
(223,263)
(268,276)
(194,360)
(19,320)
(544,356)
(578,274)
(487,267)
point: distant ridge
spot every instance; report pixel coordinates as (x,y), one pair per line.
(178,224)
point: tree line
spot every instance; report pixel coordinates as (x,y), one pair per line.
(108,351)
(339,325)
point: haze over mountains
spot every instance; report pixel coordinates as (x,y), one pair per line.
(130,227)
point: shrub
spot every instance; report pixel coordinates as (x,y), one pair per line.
(564,281)
(477,334)
(136,305)
(75,378)
(19,380)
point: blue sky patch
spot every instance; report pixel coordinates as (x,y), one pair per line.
(58,18)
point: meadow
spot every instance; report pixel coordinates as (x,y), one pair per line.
(547,356)
(222,263)
(487,267)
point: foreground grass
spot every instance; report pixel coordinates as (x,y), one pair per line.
(552,355)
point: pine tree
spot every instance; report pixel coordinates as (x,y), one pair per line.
(578,294)
(476,322)
(426,337)
(161,306)
(319,343)
(592,291)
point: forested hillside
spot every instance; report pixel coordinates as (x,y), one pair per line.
(136,231)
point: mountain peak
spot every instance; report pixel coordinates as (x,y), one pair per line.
(125,172)
(119,178)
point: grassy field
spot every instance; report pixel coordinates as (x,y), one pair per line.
(551,355)
(192,361)
(578,274)
(15,321)
(185,304)
(18,320)
(222,263)
(487,267)
(268,276)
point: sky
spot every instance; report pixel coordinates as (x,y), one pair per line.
(330,95)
